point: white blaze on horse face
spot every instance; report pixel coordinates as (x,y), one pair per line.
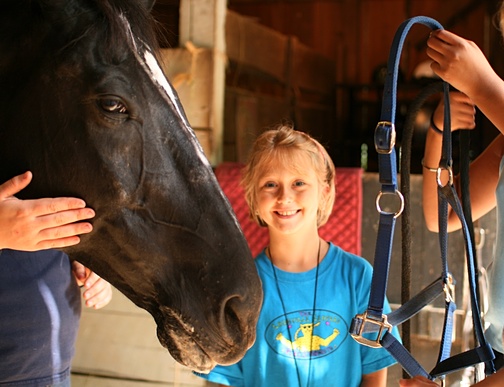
(158,76)
(153,70)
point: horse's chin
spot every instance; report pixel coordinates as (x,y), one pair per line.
(201,347)
(185,350)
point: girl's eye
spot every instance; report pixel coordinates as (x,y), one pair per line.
(269,185)
(299,183)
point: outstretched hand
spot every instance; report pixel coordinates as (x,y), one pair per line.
(39,224)
(97,291)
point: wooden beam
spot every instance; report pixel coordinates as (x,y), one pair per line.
(202,24)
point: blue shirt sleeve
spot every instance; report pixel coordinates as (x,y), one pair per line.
(375,359)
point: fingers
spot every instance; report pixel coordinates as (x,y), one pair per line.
(15,185)
(63,219)
(462,110)
(456,96)
(59,229)
(49,206)
(443,36)
(55,243)
(98,292)
(79,271)
(441,48)
(37,224)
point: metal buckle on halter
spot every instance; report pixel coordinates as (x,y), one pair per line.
(384,137)
(449,289)
(384,327)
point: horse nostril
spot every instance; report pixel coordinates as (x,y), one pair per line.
(236,321)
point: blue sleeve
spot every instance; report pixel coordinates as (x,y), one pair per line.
(374,359)
(227,375)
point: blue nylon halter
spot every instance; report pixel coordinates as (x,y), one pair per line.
(373,319)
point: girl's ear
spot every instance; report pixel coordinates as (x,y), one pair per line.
(325,193)
(326,189)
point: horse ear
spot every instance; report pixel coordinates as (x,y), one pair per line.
(148,4)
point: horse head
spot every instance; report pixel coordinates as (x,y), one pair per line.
(84,105)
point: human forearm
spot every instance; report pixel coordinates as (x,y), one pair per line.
(432,154)
(489,98)
(375,379)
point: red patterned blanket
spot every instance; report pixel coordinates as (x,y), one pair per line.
(343,227)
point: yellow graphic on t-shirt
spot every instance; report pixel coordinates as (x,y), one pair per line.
(308,339)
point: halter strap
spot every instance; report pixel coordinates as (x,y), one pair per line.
(373,319)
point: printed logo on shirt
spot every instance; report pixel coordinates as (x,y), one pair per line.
(298,334)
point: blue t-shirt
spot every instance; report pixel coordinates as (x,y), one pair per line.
(281,355)
(40,307)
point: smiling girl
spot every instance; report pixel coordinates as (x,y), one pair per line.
(312,288)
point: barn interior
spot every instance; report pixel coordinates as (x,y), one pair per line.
(242,66)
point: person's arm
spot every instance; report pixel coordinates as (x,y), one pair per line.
(39,224)
(97,292)
(453,59)
(462,114)
(461,63)
(483,173)
(375,379)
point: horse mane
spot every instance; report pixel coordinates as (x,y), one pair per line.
(140,19)
(55,25)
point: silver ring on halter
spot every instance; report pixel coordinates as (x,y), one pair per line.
(401,203)
(438,176)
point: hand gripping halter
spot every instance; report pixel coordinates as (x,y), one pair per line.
(372,327)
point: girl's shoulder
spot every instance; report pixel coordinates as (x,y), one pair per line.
(346,260)
(338,253)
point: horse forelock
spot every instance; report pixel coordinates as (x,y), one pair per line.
(34,29)
(138,17)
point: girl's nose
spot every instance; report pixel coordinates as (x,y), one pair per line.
(284,196)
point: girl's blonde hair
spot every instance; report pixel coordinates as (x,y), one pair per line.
(500,18)
(282,144)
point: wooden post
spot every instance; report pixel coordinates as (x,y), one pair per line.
(202,23)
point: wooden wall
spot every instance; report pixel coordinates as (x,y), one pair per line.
(272,77)
(357,33)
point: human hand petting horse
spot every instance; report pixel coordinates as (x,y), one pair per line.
(30,225)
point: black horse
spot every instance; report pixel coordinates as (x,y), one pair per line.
(85,107)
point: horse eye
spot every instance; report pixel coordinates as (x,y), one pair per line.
(113,105)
